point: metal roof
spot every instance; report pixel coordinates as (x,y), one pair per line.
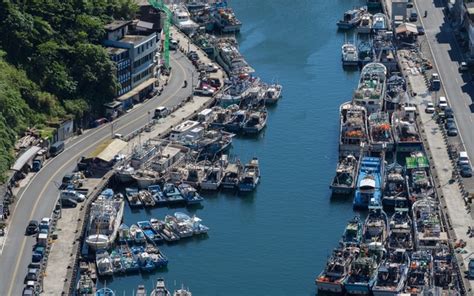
(109,149)
(25,157)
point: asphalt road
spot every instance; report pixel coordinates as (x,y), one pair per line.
(38,198)
(458,87)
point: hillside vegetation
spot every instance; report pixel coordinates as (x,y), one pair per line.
(52,64)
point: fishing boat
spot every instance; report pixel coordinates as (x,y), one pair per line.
(272,94)
(137,234)
(182,292)
(420,272)
(104,263)
(236,121)
(146,198)
(255,123)
(349,55)
(168,231)
(85,285)
(443,268)
(250,176)
(194,176)
(369,182)
(420,182)
(104,292)
(337,269)
(213,177)
(160,289)
(105,218)
(365,25)
(124,236)
(132,197)
(226,21)
(385,50)
(353,129)
(392,274)
(181,227)
(380,22)
(346,175)
(117,262)
(124,173)
(172,194)
(362,277)
(396,94)
(353,232)
(375,226)
(157,194)
(194,222)
(145,178)
(366,53)
(428,225)
(182,19)
(190,194)
(395,192)
(232,175)
(406,132)
(149,232)
(350,19)
(380,132)
(370,92)
(141,291)
(400,231)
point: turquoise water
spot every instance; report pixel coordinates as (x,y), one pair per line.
(275,241)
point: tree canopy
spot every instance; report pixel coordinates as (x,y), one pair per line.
(52,63)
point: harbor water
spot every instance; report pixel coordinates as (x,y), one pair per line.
(276,240)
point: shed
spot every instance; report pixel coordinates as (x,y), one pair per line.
(25,158)
(406,28)
(108,150)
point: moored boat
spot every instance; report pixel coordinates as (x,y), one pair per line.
(250,177)
(132,197)
(104,264)
(272,94)
(160,289)
(351,18)
(255,123)
(400,231)
(420,272)
(406,132)
(429,230)
(395,192)
(137,234)
(182,292)
(362,277)
(172,194)
(380,132)
(353,129)
(349,55)
(365,25)
(380,22)
(346,175)
(392,274)
(371,90)
(353,233)
(190,194)
(149,232)
(375,226)
(369,183)
(337,269)
(420,182)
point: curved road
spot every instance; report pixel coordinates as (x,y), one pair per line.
(37,199)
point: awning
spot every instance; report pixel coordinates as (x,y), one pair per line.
(107,150)
(406,28)
(136,90)
(25,157)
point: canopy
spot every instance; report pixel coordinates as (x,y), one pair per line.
(108,150)
(406,28)
(25,157)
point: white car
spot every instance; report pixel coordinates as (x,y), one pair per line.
(463,158)
(205,91)
(211,68)
(443,103)
(430,108)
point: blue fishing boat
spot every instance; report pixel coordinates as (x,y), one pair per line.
(157,194)
(250,177)
(236,122)
(172,194)
(124,236)
(190,194)
(369,182)
(353,232)
(362,277)
(137,234)
(392,274)
(149,232)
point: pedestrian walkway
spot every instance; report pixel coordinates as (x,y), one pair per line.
(459,218)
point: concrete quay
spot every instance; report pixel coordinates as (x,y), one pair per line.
(71,227)
(456,215)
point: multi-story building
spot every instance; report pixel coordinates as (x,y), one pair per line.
(134,57)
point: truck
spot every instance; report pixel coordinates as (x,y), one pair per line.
(38,161)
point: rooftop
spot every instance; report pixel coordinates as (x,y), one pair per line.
(133,39)
(115,50)
(115,25)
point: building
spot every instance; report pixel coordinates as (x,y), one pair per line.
(399,11)
(134,57)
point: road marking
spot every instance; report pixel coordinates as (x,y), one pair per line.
(22,248)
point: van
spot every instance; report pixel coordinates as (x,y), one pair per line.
(72,194)
(56,148)
(435,82)
(443,103)
(463,158)
(161,112)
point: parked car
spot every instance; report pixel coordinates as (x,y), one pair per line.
(452,131)
(68,203)
(32,275)
(99,122)
(466,171)
(463,158)
(421,30)
(204,91)
(435,82)
(413,16)
(28,291)
(448,112)
(463,67)
(45,223)
(430,108)
(38,253)
(32,227)
(443,103)
(161,112)
(212,68)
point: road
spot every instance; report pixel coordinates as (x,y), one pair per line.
(447,56)
(39,196)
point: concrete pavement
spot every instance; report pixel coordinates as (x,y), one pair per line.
(447,56)
(39,196)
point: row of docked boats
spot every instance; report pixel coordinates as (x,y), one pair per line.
(406,253)
(159,289)
(171,229)
(363,21)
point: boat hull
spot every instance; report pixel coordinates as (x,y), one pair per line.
(331,287)
(339,190)
(345,26)
(358,288)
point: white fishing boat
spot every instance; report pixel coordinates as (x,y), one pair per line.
(160,289)
(365,25)
(371,90)
(349,55)
(272,94)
